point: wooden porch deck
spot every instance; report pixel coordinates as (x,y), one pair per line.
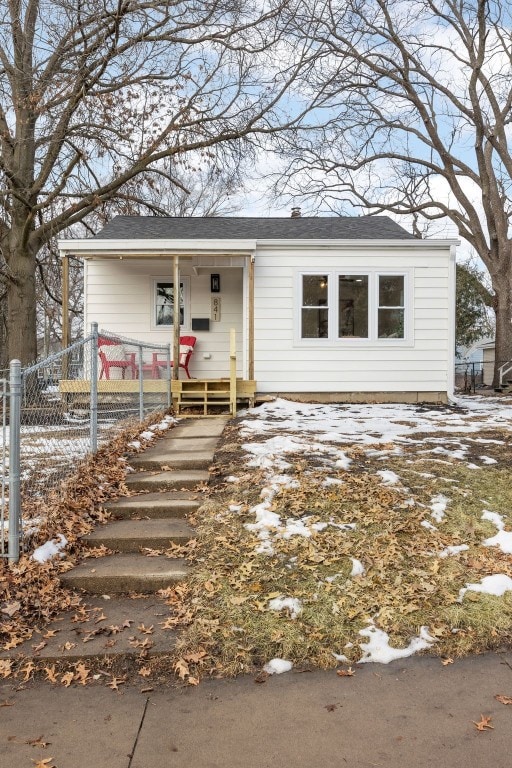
(185,393)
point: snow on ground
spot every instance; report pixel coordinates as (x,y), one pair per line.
(503,539)
(497,584)
(277,666)
(438,506)
(377,649)
(50,548)
(291,604)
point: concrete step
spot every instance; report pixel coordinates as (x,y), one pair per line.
(195,428)
(102,628)
(164,481)
(184,444)
(131,535)
(154,505)
(155,460)
(115,574)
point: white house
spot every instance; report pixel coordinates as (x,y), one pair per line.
(341,308)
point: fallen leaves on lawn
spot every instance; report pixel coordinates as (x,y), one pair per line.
(483,723)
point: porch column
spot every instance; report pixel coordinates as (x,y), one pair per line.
(176,318)
(65,313)
(251,318)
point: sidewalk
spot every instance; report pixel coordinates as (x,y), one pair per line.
(410,714)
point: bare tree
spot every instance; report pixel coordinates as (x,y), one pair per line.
(415,121)
(196,191)
(96,93)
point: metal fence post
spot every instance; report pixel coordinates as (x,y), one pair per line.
(168,373)
(94,388)
(141,385)
(14,460)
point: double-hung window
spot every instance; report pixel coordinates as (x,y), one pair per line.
(354,305)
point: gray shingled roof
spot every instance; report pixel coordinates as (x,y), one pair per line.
(248,228)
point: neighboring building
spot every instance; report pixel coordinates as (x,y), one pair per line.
(335,308)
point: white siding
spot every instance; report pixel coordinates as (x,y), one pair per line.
(119,298)
(284,363)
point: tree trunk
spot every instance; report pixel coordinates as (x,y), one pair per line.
(21,306)
(503,344)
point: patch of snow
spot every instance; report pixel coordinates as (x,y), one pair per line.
(147,435)
(290,604)
(331,481)
(340,657)
(357,567)
(493,517)
(453,550)
(388,477)
(49,549)
(232,479)
(135,444)
(488,460)
(235,507)
(497,584)
(277,666)
(438,506)
(503,540)
(377,649)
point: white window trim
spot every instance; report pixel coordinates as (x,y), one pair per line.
(333,340)
(186,302)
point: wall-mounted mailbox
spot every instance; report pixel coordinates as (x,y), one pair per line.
(200,323)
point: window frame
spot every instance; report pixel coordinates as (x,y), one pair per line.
(185,281)
(373,273)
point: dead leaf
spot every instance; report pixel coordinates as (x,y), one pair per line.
(6,703)
(331,707)
(195,657)
(51,675)
(11,608)
(39,742)
(345,672)
(261,677)
(146,630)
(82,673)
(39,646)
(503,699)
(114,683)
(483,723)
(447,661)
(193,680)
(67,679)
(144,671)
(27,670)
(5,667)
(44,763)
(181,668)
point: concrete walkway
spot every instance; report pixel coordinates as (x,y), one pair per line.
(414,713)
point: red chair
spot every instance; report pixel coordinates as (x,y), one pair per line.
(128,361)
(187,344)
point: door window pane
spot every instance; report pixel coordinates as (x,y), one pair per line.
(315,311)
(391,307)
(353,306)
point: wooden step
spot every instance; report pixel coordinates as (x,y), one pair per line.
(131,535)
(125,573)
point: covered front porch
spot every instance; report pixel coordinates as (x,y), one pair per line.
(130,290)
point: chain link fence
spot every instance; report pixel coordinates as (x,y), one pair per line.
(58,411)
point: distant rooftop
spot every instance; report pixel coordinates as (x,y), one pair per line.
(249,228)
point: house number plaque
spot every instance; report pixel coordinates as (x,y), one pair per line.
(216,308)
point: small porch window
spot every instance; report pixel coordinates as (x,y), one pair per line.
(163,302)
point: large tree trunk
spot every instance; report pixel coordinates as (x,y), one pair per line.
(21,306)
(502,284)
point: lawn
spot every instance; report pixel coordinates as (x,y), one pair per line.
(337,534)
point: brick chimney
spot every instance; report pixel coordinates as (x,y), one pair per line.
(296,213)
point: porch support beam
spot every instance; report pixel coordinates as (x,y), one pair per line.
(250,328)
(176,318)
(65,314)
